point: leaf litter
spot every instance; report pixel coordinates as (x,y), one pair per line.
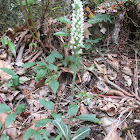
(111,84)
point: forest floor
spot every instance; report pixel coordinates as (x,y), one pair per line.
(107,85)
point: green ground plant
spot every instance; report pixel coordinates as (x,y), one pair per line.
(48,70)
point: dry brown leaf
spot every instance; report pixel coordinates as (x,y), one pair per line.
(86,77)
(3,117)
(112,135)
(3,55)
(86,31)
(111,108)
(83,109)
(114,62)
(3,75)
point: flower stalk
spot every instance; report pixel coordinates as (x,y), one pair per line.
(76,35)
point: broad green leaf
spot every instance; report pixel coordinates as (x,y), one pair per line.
(54,84)
(37,135)
(41,63)
(47,104)
(87,46)
(64,20)
(29,64)
(12,48)
(9,119)
(3,137)
(41,73)
(36,69)
(55,76)
(15,80)
(20,108)
(58,137)
(89,117)
(28,1)
(50,59)
(61,127)
(8,71)
(4,41)
(56,54)
(42,122)
(81,133)
(4,108)
(61,33)
(56,116)
(0,125)
(28,133)
(93,41)
(52,67)
(99,18)
(73,110)
(45,133)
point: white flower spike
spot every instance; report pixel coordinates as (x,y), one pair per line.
(77,26)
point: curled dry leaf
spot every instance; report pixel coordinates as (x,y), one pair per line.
(3,75)
(111,108)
